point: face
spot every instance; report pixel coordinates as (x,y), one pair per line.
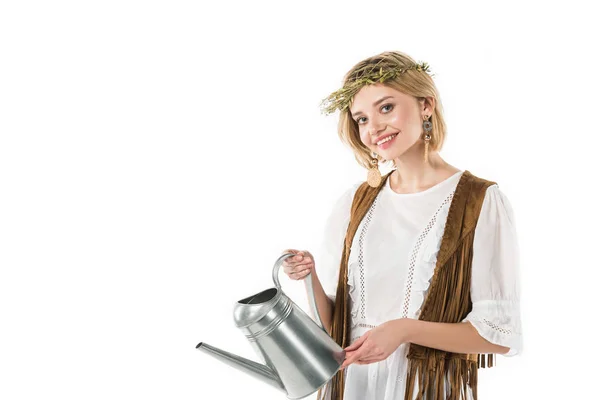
(379,111)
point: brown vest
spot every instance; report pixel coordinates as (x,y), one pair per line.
(448,298)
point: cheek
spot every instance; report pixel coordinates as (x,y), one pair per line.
(398,119)
(405,123)
(364,136)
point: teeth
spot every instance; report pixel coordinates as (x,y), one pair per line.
(387,139)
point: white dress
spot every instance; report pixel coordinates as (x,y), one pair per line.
(391,263)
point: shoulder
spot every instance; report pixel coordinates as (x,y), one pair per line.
(497,202)
(479,189)
(495,205)
(484,199)
(476,181)
(344,199)
(490,189)
(349,192)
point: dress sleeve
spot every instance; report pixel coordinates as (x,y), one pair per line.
(495,282)
(329,255)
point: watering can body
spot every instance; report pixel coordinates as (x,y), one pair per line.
(299,355)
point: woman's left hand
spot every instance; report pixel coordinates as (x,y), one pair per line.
(377,344)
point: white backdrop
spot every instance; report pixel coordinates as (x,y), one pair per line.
(157,156)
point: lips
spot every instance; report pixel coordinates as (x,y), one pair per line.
(384,137)
(387,144)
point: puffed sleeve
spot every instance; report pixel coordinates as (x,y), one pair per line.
(495,282)
(329,255)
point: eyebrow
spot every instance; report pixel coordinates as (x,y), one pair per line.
(374,104)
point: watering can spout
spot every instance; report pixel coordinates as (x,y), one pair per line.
(250,367)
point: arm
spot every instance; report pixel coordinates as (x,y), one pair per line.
(324,303)
(461,337)
(378,343)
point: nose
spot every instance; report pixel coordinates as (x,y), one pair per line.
(375,128)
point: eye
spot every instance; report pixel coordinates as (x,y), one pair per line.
(382,107)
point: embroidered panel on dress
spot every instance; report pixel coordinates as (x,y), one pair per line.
(361,258)
(415,251)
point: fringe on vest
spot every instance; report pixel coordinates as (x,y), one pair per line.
(448,298)
(448,301)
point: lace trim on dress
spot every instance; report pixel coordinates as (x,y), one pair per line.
(361,267)
(496,327)
(361,326)
(498,322)
(415,251)
(365,325)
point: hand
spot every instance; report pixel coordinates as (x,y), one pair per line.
(298,266)
(377,344)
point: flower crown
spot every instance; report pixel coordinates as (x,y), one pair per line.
(341,98)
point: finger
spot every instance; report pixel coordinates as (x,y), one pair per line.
(299,266)
(295,269)
(293,251)
(298,269)
(368,361)
(357,343)
(289,270)
(302,261)
(366,356)
(300,275)
(295,260)
(372,357)
(354,356)
(303,266)
(288,258)
(308,254)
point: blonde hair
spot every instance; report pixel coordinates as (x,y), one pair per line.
(412,82)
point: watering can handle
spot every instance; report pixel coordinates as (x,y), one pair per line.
(311,299)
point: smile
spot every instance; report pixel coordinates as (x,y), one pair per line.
(384,143)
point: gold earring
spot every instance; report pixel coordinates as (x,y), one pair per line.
(374,176)
(427,126)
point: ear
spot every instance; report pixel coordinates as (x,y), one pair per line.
(427,104)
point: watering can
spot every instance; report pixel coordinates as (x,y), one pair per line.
(299,355)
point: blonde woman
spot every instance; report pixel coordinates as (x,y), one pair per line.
(418,275)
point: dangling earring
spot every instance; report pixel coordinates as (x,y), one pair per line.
(427,126)
(374,176)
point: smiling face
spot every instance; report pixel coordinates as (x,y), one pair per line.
(380,111)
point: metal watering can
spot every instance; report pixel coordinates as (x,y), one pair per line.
(299,354)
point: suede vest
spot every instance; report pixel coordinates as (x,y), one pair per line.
(447,300)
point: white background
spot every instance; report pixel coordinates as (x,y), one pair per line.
(157,157)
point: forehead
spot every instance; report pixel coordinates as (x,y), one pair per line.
(369,94)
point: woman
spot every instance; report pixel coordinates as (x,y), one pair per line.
(418,274)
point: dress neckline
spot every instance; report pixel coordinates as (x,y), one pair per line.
(451,178)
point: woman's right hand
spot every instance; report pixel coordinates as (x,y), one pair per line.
(299,266)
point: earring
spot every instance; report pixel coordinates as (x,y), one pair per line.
(427,126)
(374,176)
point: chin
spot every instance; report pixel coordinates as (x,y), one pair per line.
(393,155)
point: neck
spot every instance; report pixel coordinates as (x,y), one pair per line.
(413,174)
